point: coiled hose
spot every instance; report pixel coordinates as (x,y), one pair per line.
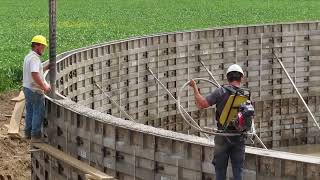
(215,131)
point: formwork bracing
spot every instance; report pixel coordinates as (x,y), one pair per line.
(84,123)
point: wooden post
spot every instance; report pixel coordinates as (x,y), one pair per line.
(52,46)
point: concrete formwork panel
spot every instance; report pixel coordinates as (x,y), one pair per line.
(84,123)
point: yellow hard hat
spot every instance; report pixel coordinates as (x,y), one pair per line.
(40,39)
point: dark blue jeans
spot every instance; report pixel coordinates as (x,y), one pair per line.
(226,147)
(34,113)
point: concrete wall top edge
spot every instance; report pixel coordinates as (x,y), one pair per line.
(71,52)
(106,118)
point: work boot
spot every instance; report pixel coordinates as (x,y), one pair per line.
(27,135)
(36,140)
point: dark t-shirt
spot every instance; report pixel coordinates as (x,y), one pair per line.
(219,97)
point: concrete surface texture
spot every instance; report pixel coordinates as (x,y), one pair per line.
(160,145)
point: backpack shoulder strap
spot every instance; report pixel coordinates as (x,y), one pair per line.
(230,89)
(237,91)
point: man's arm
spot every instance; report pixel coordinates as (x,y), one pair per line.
(37,79)
(201,102)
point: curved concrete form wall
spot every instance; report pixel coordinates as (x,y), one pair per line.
(84,124)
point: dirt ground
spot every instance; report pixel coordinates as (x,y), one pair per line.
(15,161)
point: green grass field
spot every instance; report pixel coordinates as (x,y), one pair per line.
(85,22)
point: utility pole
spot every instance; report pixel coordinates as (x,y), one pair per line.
(52,46)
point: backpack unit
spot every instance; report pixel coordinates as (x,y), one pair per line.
(238,110)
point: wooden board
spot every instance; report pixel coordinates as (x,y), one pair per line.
(16,117)
(19,98)
(73,161)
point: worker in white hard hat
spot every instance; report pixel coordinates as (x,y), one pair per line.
(34,88)
(225,147)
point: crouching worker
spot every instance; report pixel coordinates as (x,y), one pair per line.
(234,114)
(34,88)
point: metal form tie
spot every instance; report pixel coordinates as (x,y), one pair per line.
(115,103)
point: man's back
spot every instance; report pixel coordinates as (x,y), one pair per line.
(219,97)
(32,63)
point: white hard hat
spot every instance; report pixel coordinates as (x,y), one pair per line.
(236,68)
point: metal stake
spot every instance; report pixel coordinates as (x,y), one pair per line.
(297,91)
(52,46)
(209,73)
(115,103)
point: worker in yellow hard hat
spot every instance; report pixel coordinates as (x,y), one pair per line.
(225,147)
(34,88)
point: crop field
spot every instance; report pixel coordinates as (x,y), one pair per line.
(86,22)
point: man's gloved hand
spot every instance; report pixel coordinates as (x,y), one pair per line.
(192,83)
